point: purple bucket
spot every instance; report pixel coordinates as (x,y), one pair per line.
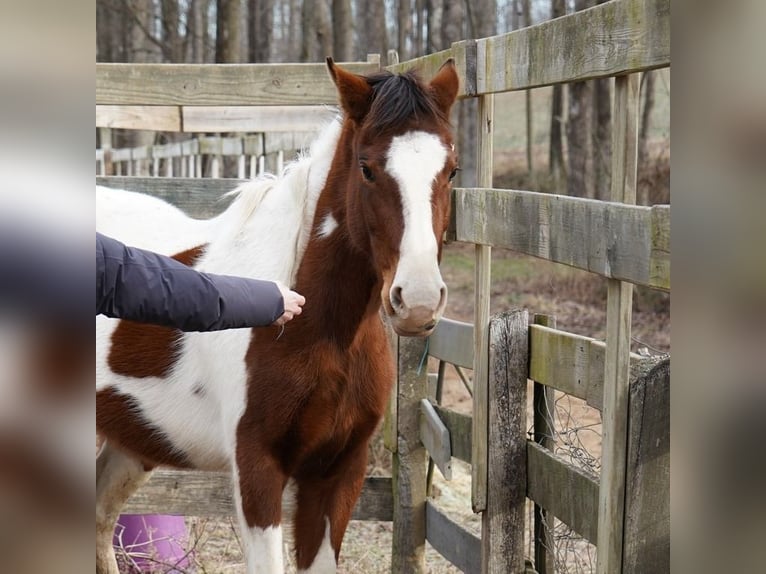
(153,542)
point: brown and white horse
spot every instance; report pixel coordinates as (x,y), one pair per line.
(354,225)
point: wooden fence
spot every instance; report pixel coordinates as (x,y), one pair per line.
(254,154)
(624,511)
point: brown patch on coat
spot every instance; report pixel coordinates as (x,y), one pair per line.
(142,350)
(118,418)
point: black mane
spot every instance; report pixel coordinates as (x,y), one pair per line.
(398,99)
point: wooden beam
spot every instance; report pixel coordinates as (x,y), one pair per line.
(155,118)
(452,541)
(198,197)
(544,425)
(218,85)
(502,523)
(256,118)
(611,514)
(607,40)
(409,461)
(483,271)
(570,363)
(568,492)
(647,499)
(435,437)
(209,494)
(614,240)
(452,341)
(459,427)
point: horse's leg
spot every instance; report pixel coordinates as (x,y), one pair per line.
(118,476)
(259,483)
(323,511)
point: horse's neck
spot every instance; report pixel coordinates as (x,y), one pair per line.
(337,278)
(265,232)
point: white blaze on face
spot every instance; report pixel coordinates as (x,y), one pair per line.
(414,159)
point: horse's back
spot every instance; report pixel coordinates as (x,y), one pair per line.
(147,222)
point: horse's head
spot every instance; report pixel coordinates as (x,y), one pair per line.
(398,201)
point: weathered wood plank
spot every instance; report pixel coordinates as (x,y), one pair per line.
(502,538)
(435,437)
(198,197)
(452,541)
(573,364)
(611,513)
(198,493)
(459,427)
(257,118)
(647,499)
(452,341)
(544,424)
(218,85)
(607,40)
(409,461)
(568,492)
(155,118)
(482,281)
(617,241)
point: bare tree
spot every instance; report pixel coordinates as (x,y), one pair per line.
(316,27)
(373,36)
(404,28)
(556,149)
(647,85)
(433,25)
(578,132)
(228,40)
(343,31)
(602,136)
(260,30)
(294,40)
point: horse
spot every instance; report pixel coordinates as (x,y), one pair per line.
(355,226)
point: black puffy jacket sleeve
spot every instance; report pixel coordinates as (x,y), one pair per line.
(144,286)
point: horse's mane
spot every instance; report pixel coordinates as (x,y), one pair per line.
(399,98)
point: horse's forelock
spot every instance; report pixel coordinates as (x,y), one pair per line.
(399,99)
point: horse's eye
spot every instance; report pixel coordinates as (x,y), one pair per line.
(454,173)
(366,172)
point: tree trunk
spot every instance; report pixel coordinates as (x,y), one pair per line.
(294,40)
(260,30)
(404,29)
(528,106)
(420,7)
(556,149)
(374,37)
(343,31)
(579,133)
(324,30)
(602,136)
(434,24)
(308,24)
(647,82)
(228,37)
(172,46)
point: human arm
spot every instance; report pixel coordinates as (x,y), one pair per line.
(145,286)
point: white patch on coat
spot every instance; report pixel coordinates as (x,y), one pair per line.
(264,550)
(414,160)
(328,225)
(324,561)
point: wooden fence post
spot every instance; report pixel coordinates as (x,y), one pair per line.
(544,409)
(409,468)
(502,524)
(647,496)
(611,512)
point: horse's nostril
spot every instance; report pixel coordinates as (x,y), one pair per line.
(442,296)
(429,326)
(396,298)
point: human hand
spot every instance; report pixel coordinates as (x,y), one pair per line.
(293,305)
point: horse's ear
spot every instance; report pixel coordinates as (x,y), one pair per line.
(445,86)
(354,91)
